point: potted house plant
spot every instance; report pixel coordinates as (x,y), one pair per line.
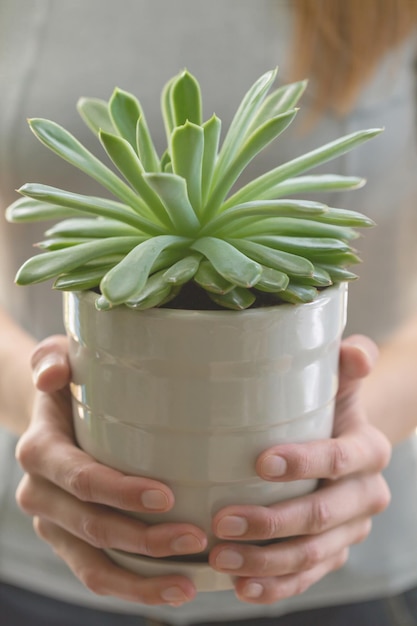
(204,319)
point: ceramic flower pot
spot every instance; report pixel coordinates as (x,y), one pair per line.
(193,397)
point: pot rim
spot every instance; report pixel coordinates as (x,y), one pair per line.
(90,297)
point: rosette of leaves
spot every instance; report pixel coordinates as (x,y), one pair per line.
(177,219)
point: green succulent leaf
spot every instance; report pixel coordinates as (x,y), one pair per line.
(185,100)
(145,147)
(128,163)
(52,264)
(183,270)
(237,299)
(272,281)
(166,163)
(212,129)
(185,217)
(128,278)
(225,178)
(31,210)
(279,101)
(342,217)
(306,246)
(290,264)
(243,118)
(250,212)
(91,228)
(125,111)
(340,259)
(154,299)
(229,262)
(82,279)
(95,113)
(154,293)
(289,226)
(172,190)
(167,111)
(319,278)
(167,258)
(298,294)
(90,204)
(337,274)
(261,185)
(187,151)
(213,282)
(102,304)
(58,243)
(70,149)
(314,183)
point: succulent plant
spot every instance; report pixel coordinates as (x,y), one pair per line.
(178,219)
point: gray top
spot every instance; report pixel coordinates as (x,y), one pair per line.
(53,52)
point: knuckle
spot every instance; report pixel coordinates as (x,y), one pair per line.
(364,530)
(298,584)
(341,559)
(41,528)
(147,546)
(94,531)
(304,464)
(261,562)
(310,555)
(339,458)
(90,578)
(271,525)
(382,496)
(320,515)
(29,448)
(383,453)
(24,496)
(79,483)
(302,583)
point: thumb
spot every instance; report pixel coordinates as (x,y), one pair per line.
(358,355)
(50,365)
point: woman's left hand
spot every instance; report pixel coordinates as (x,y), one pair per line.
(319,528)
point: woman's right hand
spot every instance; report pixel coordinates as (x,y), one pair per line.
(73,498)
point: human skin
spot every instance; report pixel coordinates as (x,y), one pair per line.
(70,500)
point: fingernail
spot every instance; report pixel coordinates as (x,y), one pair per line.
(173,595)
(253,591)
(232,526)
(274,466)
(186,544)
(154,500)
(45,364)
(229,559)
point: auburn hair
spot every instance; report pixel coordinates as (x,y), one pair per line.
(337,44)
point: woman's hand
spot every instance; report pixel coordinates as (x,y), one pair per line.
(318,528)
(71,498)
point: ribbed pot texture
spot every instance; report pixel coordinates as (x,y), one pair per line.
(193,397)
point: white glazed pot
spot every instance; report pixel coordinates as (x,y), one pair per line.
(193,397)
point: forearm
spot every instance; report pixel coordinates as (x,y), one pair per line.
(390,392)
(16,388)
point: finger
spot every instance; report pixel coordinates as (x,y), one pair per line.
(358,355)
(101,576)
(269,590)
(89,481)
(47,449)
(50,365)
(290,556)
(362,448)
(104,527)
(356,446)
(326,508)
